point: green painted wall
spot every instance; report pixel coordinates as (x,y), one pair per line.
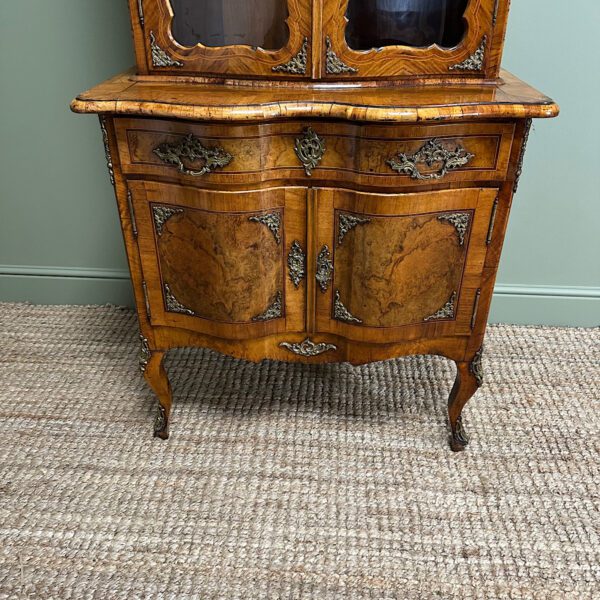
(59,236)
(550,270)
(58,209)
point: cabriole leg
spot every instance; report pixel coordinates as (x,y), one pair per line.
(469,378)
(152,367)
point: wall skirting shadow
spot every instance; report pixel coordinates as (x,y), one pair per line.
(515,304)
(63,285)
(546,305)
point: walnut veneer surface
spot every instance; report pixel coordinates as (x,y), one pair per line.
(315,221)
(316,47)
(189,99)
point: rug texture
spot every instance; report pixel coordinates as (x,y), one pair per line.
(291,481)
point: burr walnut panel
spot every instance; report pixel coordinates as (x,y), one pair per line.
(221,266)
(409,265)
(380,274)
(216,262)
(374,155)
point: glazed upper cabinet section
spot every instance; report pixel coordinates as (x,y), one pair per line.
(320,39)
(413,38)
(240,38)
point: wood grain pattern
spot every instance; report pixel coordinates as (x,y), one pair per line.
(239,60)
(354,153)
(317,20)
(223,267)
(398,270)
(508,98)
(404,265)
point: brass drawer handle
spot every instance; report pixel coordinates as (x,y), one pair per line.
(431,153)
(310,149)
(191,148)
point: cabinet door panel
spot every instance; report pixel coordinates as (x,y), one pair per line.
(404,266)
(216,262)
(411,38)
(234,37)
(398,270)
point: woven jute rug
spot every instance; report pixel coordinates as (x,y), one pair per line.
(291,481)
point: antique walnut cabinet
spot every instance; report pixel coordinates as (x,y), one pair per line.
(316,180)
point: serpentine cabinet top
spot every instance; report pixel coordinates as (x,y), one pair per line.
(182,98)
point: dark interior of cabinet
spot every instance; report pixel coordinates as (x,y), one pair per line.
(257,23)
(416,23)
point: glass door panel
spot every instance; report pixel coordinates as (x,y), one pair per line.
(374,39)
(416,23)
(237,38)
(219,23)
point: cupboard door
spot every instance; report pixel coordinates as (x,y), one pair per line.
(399,267)
(411,38)
(261,38)
(217,262)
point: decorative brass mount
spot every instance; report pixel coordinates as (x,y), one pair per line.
(296,263)
(431,153)
(324,268)
(272,221)
(310,149)
(297,64)
(308,347)
(191,148)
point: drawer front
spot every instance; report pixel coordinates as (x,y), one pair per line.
(400,267)
(218,262)
(371,155)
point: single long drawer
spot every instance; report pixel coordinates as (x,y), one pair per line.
(374,155)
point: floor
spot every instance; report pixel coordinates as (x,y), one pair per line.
(291,482)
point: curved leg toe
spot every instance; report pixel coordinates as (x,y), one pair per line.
(152,366)
(458,436)
(468,379)
(161,423)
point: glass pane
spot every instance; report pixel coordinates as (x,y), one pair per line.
(417,23)
(259,23)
